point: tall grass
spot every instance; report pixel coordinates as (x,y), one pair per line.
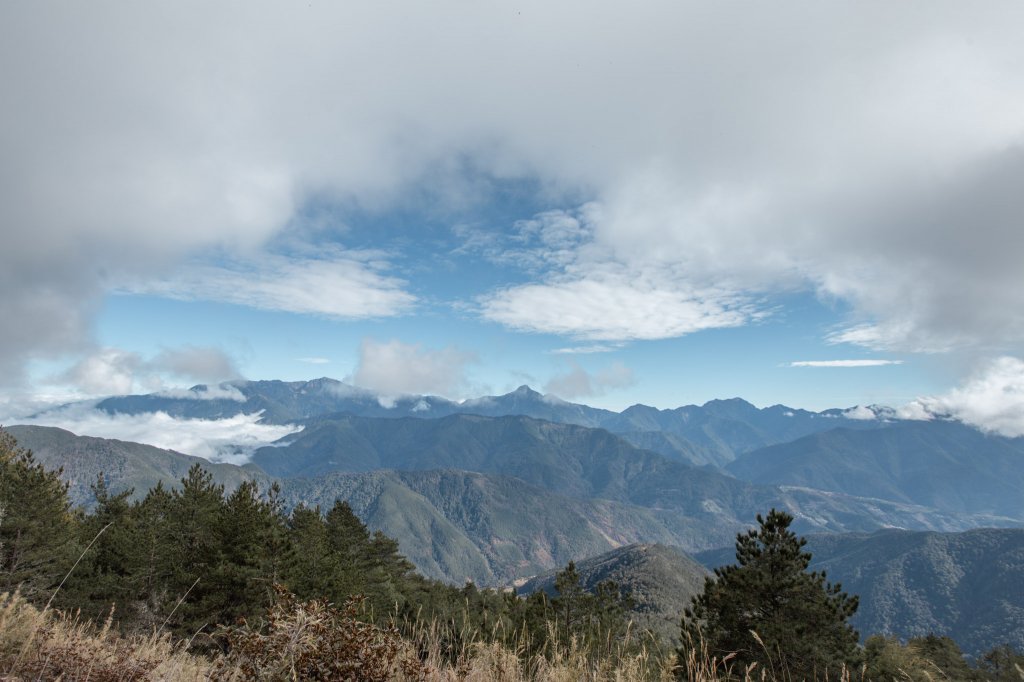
(316,641)
(47,645)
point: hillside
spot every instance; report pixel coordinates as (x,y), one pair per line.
(965,585)
(459,526)
(569,459)
(660,579)
(124,465)
(584,463)
(939,464)
(541,494)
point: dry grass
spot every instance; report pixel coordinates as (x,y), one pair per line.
(46,645)
(627,660)
(314,641)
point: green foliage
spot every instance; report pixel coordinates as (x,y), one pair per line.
(660,580)
(1003,664)
(186,559)
(923,659)
(596,620)
(767,609)
(36,524)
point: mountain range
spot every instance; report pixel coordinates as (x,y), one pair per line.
(501,488)
(940,464)
(713,433)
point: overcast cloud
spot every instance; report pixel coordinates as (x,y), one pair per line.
(870,152)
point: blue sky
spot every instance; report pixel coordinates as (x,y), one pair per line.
(664,204)
(753,361)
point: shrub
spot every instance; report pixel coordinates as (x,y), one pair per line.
(313,640)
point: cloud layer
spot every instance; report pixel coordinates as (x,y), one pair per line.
(870,153)
(230,440)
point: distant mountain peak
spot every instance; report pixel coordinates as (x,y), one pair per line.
(732,402)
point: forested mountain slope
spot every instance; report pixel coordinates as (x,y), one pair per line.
(541,493)
(659,579)
(941,464)
(968,585)
(124,464)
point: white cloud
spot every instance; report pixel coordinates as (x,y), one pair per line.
(860,412)
(844,363)
(992,400)
(211,392)
(223,440)
(578,383)
(867,151)
(614,308)
(313,361)
(393,369)
(195,363)
(587,349)
(113,371)
(342,286)
(108,371)
(587,292)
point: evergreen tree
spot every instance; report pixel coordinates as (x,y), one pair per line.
(770,610)
(596,620)
(570,604)
(37,543)
(1003,664)
(306,566)
(101,579)
(152,563)
(196,546)
(349,562)
(241,581)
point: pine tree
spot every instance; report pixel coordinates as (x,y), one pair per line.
(306,567)
(101,581)
(770,610)
(239,584)
(349,563)
(196,545)
(153,562)
(569,605)
(37,543)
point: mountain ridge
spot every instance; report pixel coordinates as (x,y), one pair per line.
(714,433)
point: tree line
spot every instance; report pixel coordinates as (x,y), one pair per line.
(192,558)
(189,558)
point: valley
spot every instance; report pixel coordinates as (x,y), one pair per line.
(498,490)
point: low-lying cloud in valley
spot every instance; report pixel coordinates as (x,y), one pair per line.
(231,440)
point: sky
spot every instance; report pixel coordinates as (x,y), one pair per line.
(815,204)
